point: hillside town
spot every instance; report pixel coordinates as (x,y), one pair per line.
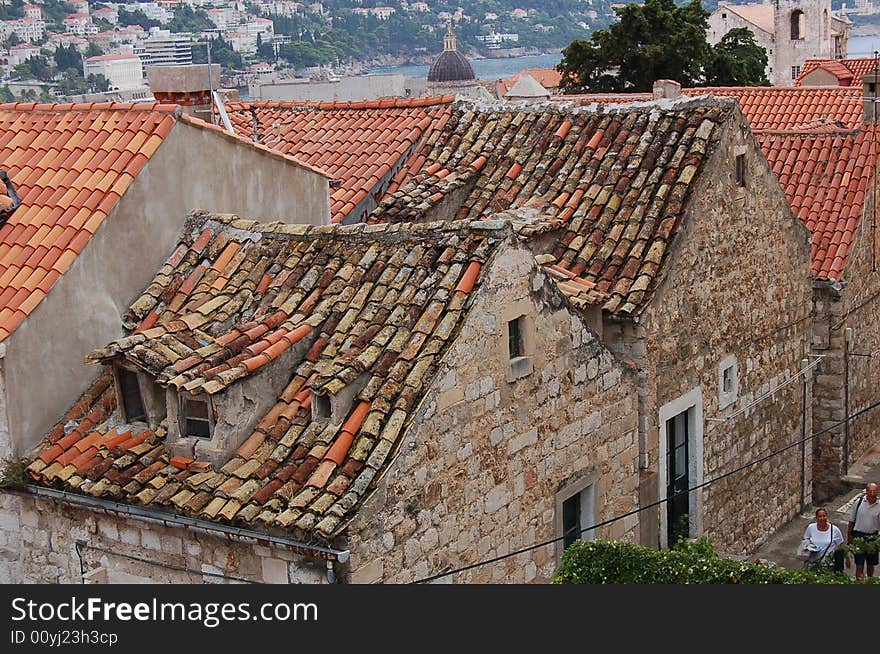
(378,329)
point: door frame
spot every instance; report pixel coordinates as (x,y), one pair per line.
(693,399)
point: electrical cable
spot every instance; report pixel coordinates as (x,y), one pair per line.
(609,521)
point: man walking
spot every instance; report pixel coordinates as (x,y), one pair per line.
(864,523)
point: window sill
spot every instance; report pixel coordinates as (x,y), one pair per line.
(518,368)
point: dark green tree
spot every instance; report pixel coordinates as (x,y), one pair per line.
(6,95)
(67,58)
(737,60)
(657,40)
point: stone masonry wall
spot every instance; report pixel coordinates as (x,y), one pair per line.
(861,312)
(737,285)
(38,539)
(828,400)
(480,472)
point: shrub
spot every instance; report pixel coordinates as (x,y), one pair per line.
(689,562)
(13,473)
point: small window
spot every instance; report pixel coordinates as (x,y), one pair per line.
(515,346)
(728,382)
(795,71)
(723,15)
(196,420)
(741,170)
(798,20)
(322,406)
(577,515)
(132,402)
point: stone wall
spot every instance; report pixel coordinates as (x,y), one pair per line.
(856,307)
(38,539)
(828,395)
(737,288)
(480,473)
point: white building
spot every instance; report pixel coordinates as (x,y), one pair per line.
(21,53)
(124,72)
(110,14)
(26,29)
(382,13)
(80,24)
(162,48)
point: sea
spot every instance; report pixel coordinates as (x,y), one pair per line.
(487,69)
(863,46)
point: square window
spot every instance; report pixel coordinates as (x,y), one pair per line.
(195,418)
(728,382)
(741,170)
(515,345)
(132,402)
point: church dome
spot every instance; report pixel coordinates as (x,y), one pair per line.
(451,65)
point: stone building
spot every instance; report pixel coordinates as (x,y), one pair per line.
(821,143)
(553,318)
(791,31)
(103,188)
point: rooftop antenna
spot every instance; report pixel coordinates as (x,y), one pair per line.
(210,82)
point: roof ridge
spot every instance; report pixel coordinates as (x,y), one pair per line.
(357,231)
(203,124)
(57,107)
(381,103)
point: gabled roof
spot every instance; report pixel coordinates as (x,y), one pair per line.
(527,86)
(759,15)
(358,143)
(549,78)
(847,71)
(617,179)
(815,141)
(383,300)
(70,164)
(826,178)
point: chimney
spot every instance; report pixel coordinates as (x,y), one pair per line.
(189,86)
(870,93)
(667,89)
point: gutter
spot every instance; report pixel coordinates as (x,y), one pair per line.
(231,533)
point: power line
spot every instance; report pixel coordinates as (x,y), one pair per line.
(169,566)
(757,461)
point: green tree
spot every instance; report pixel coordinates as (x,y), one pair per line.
(6,94)
(657,40)
(737,61)
(67,58)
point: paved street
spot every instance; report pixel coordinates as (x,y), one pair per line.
(780,548)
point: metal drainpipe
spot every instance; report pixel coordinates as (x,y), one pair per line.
(331,573)
(847,337)
(804,363)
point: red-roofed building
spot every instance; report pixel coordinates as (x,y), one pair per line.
(822,143)
(103,190)
(835,72)
(363,144)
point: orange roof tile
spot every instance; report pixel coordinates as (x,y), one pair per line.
(360,143)
(70,165)
(549,78)
(54,154)
(765,107)
(847,71)
(826,178)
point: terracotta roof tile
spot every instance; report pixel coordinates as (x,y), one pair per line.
(586,168)
(847,71)
(344,138)
(290,472)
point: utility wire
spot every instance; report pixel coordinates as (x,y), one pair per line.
(169,566)
(757,461)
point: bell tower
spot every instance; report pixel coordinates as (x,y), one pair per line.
(802,30)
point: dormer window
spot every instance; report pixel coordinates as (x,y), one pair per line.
(196,418)
(323,408)
(130,391)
